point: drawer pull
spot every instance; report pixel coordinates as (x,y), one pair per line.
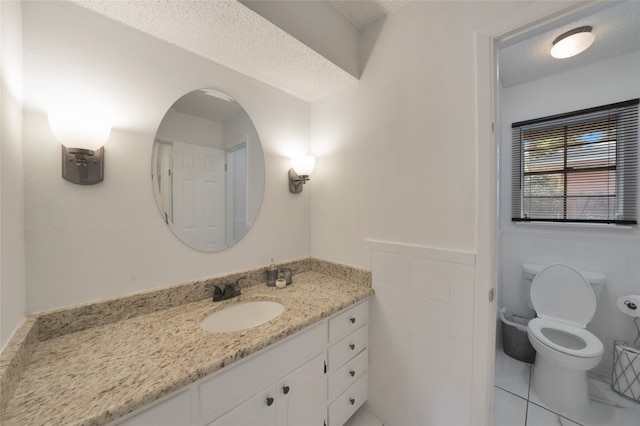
(269,401)
(352,401)
(352,346)
(285,389)
(353,320)
(352,373)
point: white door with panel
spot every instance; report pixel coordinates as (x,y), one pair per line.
(199,204)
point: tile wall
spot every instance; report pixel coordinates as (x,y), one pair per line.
(421,335)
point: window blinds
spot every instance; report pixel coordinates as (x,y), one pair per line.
(580,166)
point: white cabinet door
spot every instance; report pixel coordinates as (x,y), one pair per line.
(259,410)
(300,396)
(221,393)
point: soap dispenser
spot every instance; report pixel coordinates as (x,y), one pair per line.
(272,274)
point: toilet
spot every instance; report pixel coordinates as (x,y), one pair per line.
(564,302)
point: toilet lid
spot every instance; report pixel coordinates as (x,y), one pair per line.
(561,293)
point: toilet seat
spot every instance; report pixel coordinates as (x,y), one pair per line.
(565,337)
(564,302)
(561,293)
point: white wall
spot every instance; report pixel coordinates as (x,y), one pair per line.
(12,246)
(237,128)
(396,162)
(396,154)
(90,242)
(614,252)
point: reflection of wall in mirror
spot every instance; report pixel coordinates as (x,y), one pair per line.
(240,128)
(177,126)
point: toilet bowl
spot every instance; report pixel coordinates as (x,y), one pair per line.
(564,303)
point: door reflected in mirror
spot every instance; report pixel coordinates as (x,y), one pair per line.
(208,170)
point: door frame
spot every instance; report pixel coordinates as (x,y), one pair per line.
(488,39)
(241,143)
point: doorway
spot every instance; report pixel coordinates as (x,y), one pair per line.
(514,244)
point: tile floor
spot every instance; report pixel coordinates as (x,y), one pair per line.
(515,403)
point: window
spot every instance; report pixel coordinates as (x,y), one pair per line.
(580,166)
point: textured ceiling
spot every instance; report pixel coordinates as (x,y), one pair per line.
(616,27)
(363,12)
(227,32)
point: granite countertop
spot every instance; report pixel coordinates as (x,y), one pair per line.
(98,374)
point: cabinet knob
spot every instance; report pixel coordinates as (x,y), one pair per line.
(352,346)
(352,373)
(285,389)
(352,401)
(353,320)
(269,401)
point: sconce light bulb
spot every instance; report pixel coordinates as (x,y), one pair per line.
(304,165)
(78,128)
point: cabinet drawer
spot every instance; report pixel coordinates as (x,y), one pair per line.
(348,347)
(348,321)
(347,403)
(347,375)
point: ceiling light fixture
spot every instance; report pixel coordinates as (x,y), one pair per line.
(572,42)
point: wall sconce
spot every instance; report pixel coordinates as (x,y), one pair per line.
(83,163)
(299,173)
(572,42)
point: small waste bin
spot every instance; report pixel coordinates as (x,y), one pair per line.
(515,341)
(626,370)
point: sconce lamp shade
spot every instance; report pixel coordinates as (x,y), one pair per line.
(303,165)
(572,42)
(299,173)
(82,135)
(79,128)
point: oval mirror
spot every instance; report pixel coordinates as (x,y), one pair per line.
(207,170)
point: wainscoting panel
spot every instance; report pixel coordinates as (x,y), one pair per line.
(420,335)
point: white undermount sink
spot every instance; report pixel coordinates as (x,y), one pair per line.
(241,316)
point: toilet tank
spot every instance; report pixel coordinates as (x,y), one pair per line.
(596,279)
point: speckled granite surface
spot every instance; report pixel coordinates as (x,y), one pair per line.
(15,359)
(90,375)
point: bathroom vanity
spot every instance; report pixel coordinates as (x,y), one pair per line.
(162,368)
(317,375)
